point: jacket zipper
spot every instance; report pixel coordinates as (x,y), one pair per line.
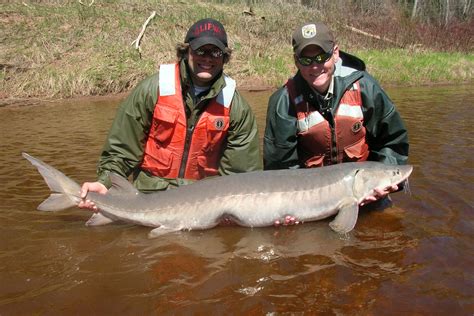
(333,141)
(187,145)
(328,114)
(187,142)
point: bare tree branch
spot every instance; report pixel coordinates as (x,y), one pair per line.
(137,41)
(353,29)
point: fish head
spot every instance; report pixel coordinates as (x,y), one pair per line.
(376,175)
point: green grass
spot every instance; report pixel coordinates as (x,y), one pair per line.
(276,68)
(63,49)
(410,67)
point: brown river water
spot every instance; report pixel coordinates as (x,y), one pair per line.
(415,258)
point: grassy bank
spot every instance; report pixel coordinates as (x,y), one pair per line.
(62,49)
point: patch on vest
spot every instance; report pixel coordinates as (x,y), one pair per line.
(356,127)
(219,123)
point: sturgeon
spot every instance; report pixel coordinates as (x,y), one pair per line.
(252,199)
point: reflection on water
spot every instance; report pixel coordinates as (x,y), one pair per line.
(414,258)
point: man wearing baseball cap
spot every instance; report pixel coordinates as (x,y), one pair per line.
(182,124)
(332,111)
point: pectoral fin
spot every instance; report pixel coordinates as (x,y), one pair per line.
(346,218)
(57,201)
(161,231)
(97,219)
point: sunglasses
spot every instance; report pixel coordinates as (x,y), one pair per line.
(214,53)
(318,59)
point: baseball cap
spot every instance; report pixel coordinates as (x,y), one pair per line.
(206,31)
(312,34)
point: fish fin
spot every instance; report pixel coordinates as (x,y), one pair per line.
(120,185)
(157,232)
(55,179)
(346,218)
(98,219)
(67,191)
(57,202)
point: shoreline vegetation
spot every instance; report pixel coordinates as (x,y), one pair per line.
(68,49)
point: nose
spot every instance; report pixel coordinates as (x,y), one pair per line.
(316,66)
(207,57)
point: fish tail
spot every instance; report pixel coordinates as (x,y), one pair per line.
(65,191)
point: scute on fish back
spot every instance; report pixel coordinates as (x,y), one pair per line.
(253,199)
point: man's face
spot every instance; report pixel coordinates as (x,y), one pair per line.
(205,64)
(317,75)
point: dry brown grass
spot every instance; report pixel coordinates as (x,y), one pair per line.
(65,49)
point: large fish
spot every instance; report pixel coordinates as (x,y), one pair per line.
(253,199)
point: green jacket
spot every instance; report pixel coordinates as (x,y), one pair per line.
(124,147)
(386,133)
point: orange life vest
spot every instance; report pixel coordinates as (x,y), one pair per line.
(174,150)
(321,144)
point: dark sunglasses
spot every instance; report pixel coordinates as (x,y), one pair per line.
(215,52)
(318,59)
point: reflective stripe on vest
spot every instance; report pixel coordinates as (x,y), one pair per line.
(306,122)
(164,150)
(351,103)
(315,136)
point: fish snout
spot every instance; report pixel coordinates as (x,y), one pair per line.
(405,172)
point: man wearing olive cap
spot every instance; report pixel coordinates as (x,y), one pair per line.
(332,111)
(185,123)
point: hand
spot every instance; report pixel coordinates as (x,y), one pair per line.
(91,187)
(378,194)
(287,221)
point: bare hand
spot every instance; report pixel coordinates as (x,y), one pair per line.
(91,187)
(287,221)
(378,194)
